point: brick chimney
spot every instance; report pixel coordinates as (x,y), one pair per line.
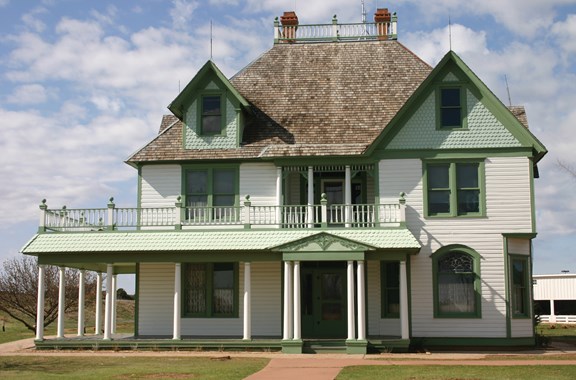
(382,19)
(289,22)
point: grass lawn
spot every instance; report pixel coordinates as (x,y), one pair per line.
(458,372)
(558,332)
(55,367)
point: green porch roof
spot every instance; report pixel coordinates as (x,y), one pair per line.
(203,241)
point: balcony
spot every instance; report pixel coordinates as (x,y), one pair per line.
(246,216)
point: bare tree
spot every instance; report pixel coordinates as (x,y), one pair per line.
(567,168)
(19,289)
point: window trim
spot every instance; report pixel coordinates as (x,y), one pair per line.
(210,184)
(200,113)
(453,188)
(463,106)
(436,256)
(385,312)
(526,296)
(209,292)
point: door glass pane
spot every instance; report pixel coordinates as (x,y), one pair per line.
(223,293)
(331,286)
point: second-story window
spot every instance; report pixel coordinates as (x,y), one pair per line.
(211,115)
(211,193)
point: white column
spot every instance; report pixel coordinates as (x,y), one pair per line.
(247,302)
(347,195)
(177,300)
(296,306)
(361,301)
(81,295)
(108,305)
(287,328)
(114,302)
(552,312)
(310,197)
(350,299)
(61,301)
(404,328)
(40,305)
(279,195)
(98,316)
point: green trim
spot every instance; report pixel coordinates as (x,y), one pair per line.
(454,64)
(391,255)
(448,154)
(507,289)
(453,188)
(137,301)
(436,256)
(139,195)
(356,347)
(532,199)
(322,256)
(292,346)
(521,235)
(209,70)
(209,292)
(463,106)
(384,287)
(473,342)
(323,160)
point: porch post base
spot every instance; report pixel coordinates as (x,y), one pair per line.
(292,346)
(356,347)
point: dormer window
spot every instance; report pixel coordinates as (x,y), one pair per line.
(211,123)
(451,107)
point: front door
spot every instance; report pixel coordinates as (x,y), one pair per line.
(323,287)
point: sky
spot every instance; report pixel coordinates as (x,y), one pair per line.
(84,84)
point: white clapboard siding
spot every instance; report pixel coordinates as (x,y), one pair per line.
(266,299)
(508,210)
(522,328)
(555,287)
(155,299)
(161,185)
(378,326)
(259,181)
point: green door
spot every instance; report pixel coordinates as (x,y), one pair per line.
(323,292)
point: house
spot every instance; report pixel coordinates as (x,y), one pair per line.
(337,193)
(555,297)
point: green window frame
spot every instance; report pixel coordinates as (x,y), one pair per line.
(390,289)
(456,282)
(454,189)
(210,290)
(520,290)
(211,192)
(451,112)
(211,114)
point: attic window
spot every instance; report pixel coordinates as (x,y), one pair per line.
(451,108)
(211,115)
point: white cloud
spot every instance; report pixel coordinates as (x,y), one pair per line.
(28,94)
(565,32)
(3,3)
(32,21)
(182,12)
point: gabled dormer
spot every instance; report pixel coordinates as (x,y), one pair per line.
(212,111)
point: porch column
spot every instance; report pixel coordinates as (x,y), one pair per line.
(296,305)
(108,305)
(61,300)
(552,312)
(40,304)
(287,332)
(350,299)
(361,301)
(347,196)
(177,300)
(247,302)
(114,302)
(404,301)
(81,290)
(310,197)
(98,316)
(279,196)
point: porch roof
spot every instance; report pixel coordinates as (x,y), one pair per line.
(203,241)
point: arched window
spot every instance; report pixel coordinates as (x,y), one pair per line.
(456,282)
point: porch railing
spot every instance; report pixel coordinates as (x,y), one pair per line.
(247,216)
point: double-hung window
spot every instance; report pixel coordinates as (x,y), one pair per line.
(211,194)
(520,290)
(210,290)
(456,283)
(390,283)
(451,107)
(454,188)
(211,112)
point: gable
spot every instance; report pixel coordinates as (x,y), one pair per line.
(323,242)
(486,124)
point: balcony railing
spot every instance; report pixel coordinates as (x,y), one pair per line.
(245,216)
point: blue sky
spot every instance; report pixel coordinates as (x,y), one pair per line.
(83,84)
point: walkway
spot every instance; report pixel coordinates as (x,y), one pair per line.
(323,366)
